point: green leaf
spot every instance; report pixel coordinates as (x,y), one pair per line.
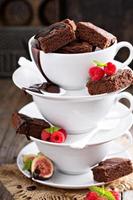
(99,64)
(102,192)
(27,165)
(52,129)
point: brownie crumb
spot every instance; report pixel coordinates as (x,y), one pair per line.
(31,188)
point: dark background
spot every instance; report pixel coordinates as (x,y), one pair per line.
(21,19)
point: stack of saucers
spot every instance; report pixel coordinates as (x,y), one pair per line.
(93,123)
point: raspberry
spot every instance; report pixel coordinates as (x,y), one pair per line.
(91,196)
(64,132)
(116,195)
(110,69)
(45,135)
(102,198)
(57,137)
(96,73)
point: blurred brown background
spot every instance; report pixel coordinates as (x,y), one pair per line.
(20,19)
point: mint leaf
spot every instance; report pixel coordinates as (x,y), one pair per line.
(27,165)
(99,64)
(52,129)
(102,192)
(56,128)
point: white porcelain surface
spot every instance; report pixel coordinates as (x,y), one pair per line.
(77,161)
(123,125)
(27,75)
(60,68)
(76,114)
(59,179)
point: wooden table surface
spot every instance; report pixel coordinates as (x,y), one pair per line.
(12,99)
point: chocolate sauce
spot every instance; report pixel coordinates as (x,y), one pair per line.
(31,188)
(36,56)
(19,186)
(46,87)
(49,86)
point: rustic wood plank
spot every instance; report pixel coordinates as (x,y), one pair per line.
(11,99)
(4,194)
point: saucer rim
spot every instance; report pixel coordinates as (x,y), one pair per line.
(130,116)
(58,185)
(68,97)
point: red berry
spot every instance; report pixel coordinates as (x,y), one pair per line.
(57,137)
(110,69)
(64,132)
(45,135)
(102,198)
(91,196)
(96,73)
(116,195)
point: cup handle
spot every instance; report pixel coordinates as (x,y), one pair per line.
(129,97)
(130,47)
(129,137)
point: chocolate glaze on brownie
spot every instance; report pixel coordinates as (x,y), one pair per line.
(55,36)
(94,35)
(28,126)
(122,79)
(112,169)
(76,47)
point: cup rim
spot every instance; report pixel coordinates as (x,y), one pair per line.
(66,144)
(61,145)
(72,54)
(75,98)
(67,97)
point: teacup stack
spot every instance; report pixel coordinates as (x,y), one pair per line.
(91,121)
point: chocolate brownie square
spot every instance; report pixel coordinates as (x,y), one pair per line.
(71,23)
(112,169)
(28,126)
(94,35)
(122,79)
(76,47)
(55,36)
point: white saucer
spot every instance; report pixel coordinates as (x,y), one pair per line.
(28,75)
(60,180)
(122,125)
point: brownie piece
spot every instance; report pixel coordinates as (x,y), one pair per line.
(123,78)
(50,87)
(28,126)
(76,47)
(71,23)
(46,87)
(94,35)
(55,36)
(112,169)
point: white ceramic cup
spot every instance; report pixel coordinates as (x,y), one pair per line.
(77,161)
(78,115)
(70,71)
